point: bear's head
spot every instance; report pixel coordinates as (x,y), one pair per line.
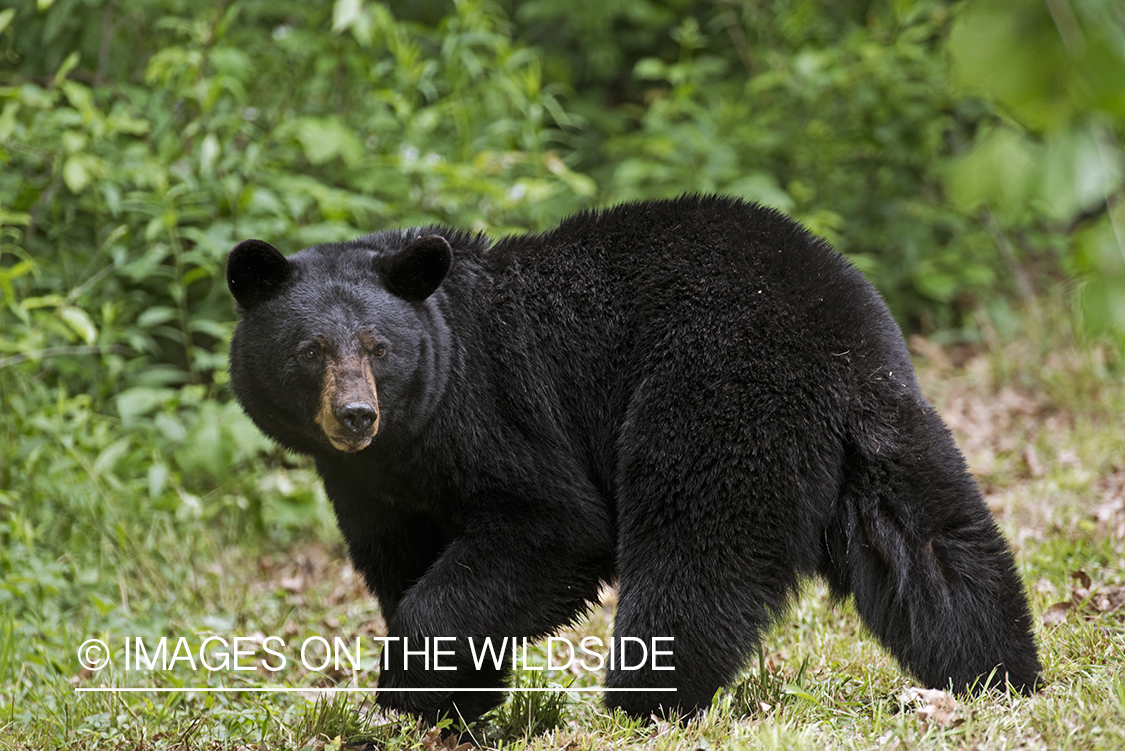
(330,336)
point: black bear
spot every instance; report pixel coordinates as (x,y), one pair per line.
(693,398)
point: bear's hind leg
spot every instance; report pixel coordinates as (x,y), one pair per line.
(722,494)
(932,576)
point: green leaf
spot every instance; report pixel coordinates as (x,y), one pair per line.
(324,139)
(345,13)
(69,64)
(81,98)
(80,321)
(155,316)
(350,14)
(10,274)
(157,479)
(110,455)
(135,402)
(36,97)
(1001,172)
(8,120)
(1079,172)
(1098,248)
(208,152)
(762,188)
(1101,303)
(934,284)
(651,69)
(76,175)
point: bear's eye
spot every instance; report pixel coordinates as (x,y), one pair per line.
(310,353)
(379,350)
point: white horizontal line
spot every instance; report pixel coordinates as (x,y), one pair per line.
(343,690)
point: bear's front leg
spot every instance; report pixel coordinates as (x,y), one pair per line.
(523,572)
(428,677)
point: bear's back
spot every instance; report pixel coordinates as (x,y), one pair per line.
(640,271)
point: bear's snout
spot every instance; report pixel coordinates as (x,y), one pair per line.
(357,417)
(349,407)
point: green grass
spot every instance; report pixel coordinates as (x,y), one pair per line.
(95,543)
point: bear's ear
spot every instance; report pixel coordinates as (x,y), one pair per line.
(255,272)
(415,272)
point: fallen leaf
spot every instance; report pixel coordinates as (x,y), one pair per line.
(1087,599)
(1056,614)
(660,726)
(292,583)
(83,675)
(1083,578)
(434,742)
(1109,600)
(936,707)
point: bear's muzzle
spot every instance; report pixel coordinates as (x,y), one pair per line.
(349,404)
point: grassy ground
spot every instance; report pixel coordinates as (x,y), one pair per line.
(99,544)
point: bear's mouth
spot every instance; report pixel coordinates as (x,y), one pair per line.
(350,444)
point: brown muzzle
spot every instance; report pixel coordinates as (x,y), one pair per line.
(349,405)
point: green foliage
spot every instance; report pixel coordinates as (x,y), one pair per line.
(120,202)
(1047,64)
(843,127)
(1055,163)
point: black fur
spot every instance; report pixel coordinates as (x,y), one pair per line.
(695,398)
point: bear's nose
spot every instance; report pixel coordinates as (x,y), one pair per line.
(357,417)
